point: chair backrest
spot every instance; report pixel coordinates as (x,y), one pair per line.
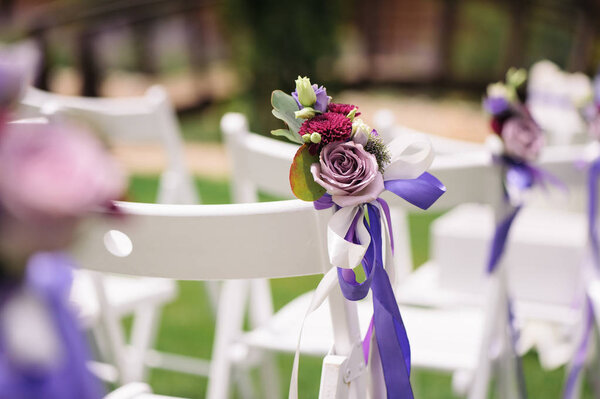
(206,242)
(258,162)
(388,129)
(150,118)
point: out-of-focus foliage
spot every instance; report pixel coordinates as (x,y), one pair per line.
(274,41)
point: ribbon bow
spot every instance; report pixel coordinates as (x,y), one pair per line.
(355,236)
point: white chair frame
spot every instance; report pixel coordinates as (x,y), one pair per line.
(147,119)
(195,241)
(263,163)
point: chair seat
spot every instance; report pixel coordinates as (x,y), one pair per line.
(446,340)
(552,329)
(124,294)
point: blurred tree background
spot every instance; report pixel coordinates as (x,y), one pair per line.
(214,56)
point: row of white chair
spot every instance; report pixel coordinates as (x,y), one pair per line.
(260,163)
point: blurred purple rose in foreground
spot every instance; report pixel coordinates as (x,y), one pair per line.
(349,173)
(523,138)
(49,176)
(12,83)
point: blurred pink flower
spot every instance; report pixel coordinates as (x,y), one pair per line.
(522,138)
(50,175)
(53,171)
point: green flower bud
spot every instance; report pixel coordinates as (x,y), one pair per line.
(352,113)
(306,138)
(516,77)
(315,138)
(306,93)
(305,113)
(359,125)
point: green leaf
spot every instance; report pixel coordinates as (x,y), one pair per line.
(283,101)
(284,108)
(303,184)
(291,136)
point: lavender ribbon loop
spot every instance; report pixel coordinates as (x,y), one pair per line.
(49,276)
(582,349)
(421,192)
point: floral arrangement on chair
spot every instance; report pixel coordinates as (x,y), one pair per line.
(522,141)
(344,164)
(50,176)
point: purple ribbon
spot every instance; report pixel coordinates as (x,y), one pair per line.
(582,349)
(519,176)
(49,276)
(386,324)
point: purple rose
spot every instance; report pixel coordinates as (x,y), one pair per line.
(349,173)
(322,98)
(522,138)
(50,175)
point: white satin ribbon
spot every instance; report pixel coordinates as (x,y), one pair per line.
(409,159)
(341,252)
(322,291)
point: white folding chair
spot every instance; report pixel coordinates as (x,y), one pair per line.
(471,176)
(103,300)
(546,240)
(227,242)
(263,163)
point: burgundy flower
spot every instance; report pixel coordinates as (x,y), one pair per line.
(349,173)
(343,109)
(331,126)
(496,125)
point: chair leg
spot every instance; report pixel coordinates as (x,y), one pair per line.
(261,309)
(230,319)
(143,335)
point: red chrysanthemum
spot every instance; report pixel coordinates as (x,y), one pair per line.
(343,109)
(331,126)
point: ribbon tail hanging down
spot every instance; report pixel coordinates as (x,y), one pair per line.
(583,348)
(499,240)
(390,334)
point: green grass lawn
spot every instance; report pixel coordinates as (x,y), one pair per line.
(187,323)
